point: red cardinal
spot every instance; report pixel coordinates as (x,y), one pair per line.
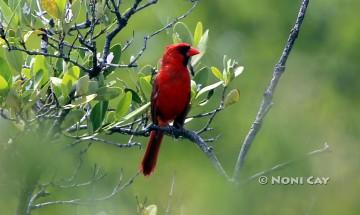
(169,99)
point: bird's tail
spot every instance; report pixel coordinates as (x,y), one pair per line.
(149,161)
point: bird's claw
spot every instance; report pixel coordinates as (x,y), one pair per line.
(173,132)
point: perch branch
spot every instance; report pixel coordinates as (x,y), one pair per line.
(178,132)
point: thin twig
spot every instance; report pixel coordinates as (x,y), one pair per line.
(325,148)
(118,188)
(167,26)
(213,113)
(121,23)
(171,193)
(119,145)
(66,58)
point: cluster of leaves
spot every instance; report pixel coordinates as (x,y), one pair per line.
(35,84)
(202,91)
(101,103)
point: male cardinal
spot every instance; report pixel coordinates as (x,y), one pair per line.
(170,98)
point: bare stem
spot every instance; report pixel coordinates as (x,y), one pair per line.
(325,148)
(269,92)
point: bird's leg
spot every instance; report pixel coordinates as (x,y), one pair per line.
(171,129)
(176,126)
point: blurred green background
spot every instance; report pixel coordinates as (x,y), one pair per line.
(317,101)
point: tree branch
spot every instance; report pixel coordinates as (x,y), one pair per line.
(267,99)
(119,145)
(65,58)
(178,132)
(121,23)
(117,189)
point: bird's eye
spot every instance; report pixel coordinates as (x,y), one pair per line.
(184,50)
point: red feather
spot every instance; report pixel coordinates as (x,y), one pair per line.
(170,98)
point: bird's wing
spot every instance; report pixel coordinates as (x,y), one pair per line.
(180,119)
(154,96)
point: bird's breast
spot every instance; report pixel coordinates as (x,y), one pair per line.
(173,95)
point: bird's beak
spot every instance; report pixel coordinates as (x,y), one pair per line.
(192,52)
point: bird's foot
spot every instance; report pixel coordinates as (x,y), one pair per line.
(173,131)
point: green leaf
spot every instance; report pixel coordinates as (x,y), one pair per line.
(232,97)
(108,93)
(150,210)
(13,101)
(208,88)
(26,73)
(61,4)
(51,7)
(40,65)
(38,78)
(4,86)
(183,32)
(124,105)
(24,12)
(93,87)
(32,39)
(56,81)
(202,76)
(2,43)
(193,90)
(72,118)
(6,11)
(15,60)
(130,115)
(135,97)
(80,101)
(208,97)
(97,115)
(44,90)
(56,85)
(216,72)
(8,14)
(110,117)
(231,71)
(201,47)
(198,33)
(146,87)
(116,50)
(82,86)
(69,79)
(5,71)
(55,8)
(75,54)
(136,112)
(238,70)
